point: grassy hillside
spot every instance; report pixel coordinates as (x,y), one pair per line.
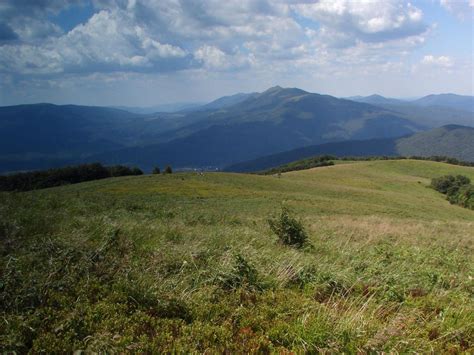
(185,262)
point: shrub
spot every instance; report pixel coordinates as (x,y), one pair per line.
(242,275)
(156,170)
(289,230)
(465,196)
(168,170)
(449,184)
(458,189)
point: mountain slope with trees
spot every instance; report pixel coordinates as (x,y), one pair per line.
(451,141)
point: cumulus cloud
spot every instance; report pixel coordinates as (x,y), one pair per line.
(28,19)
(208,36)
(345,22)
(109,41)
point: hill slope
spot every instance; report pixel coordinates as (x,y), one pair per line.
(452,141)
(46,135)
(187,263)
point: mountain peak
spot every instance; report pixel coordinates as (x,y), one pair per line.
(273,89)
(278,90)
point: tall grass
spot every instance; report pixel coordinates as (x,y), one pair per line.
(188,263)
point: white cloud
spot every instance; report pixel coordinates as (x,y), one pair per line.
(211,56)
(110,40)
(463,9)
(347,22)
(257,38)
(442,61)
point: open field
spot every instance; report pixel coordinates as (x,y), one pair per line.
(184,262)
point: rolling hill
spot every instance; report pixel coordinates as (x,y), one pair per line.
(187,263)
(452,141)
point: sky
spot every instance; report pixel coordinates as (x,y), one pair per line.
(151,52)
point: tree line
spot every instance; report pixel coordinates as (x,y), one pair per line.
(63,176)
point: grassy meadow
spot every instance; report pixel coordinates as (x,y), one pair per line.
(187,263)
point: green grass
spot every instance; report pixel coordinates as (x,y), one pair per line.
(145,263)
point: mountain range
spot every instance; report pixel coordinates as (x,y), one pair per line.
(227,131)
(452,101)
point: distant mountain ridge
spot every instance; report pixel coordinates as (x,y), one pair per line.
(226,131)
(275,120)
(376,99)
(459,102)
(225,101)
(451,140)
(167,108)
(431,111)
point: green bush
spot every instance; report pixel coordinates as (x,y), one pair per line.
(289,230)
(156,170)
(168,170)
(465,196)
(458,189)
(449,184)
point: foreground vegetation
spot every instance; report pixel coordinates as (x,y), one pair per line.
(185,262)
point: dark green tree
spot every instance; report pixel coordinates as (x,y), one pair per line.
(137,171)
(168,170)
(156,170)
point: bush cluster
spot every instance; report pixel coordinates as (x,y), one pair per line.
(458,189)
(288,229)
(62,176)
